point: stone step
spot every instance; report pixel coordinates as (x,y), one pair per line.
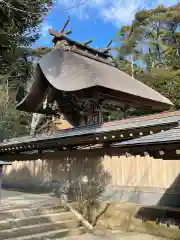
(49,235)
(28,212)
(32,220)
(38,228)
(38,205)
(20,205)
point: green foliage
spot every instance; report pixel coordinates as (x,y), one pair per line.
(20,21)
(153,40)
(164,81)
(155,34)
(11,121)
(19,25)
(19,29)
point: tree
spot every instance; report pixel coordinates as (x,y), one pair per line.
(19,29)
(156,31)
(25,71)
(132,53)
(12,122)
(165,81)
(154,35)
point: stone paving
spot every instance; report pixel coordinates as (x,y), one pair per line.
(11,199)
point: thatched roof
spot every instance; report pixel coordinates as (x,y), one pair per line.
(74,72)
(69,71)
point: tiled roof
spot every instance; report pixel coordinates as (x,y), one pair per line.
(123,125)
(169,136)
(144,118)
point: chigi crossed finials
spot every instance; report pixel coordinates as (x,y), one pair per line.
(84,81)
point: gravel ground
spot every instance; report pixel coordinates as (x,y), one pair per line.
(117,236)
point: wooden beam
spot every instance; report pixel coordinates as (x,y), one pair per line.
(65,25)
(58,34)
(109,43)
(106,50)
(68,32)
(89,114)
(87,42)
(55,33)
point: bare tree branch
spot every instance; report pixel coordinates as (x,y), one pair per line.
(10,6)
(76,5)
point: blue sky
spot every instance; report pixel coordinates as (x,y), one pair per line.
(98,20)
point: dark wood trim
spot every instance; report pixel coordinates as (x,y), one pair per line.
(107,138)
(169,153)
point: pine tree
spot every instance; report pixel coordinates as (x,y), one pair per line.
(155,35)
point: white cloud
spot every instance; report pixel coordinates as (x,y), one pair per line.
(44,29)
(121,12)
(115,11)
(45,37)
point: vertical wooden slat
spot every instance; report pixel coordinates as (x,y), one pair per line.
(134,171)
